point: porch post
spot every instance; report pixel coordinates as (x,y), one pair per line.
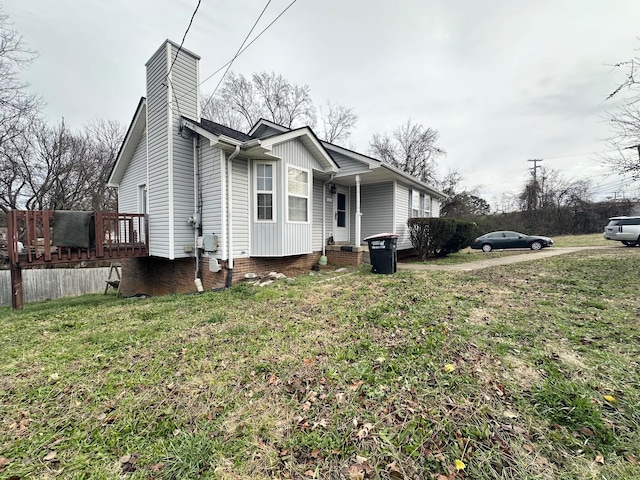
(358,214)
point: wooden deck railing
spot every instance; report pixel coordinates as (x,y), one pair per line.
(117,235)
(110,236)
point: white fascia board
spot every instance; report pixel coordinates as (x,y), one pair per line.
(413,180)
(131,140)
(372,162)
(268,123)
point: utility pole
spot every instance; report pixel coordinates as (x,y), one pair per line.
(534,190)
(535,167)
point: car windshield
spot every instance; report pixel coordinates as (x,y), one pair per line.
(612,223)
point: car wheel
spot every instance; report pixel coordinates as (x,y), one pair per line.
(486,247)
(536,245)
(629,243)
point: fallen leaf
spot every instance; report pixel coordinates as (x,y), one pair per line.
(356,472)
(600,459)
(610,399)
(360,459)
(309,473)
(449,367)
(125,459)
(460,465)
(50,456)
(355,385)
(586,431)
(4,462)
(529,448)
(631,459)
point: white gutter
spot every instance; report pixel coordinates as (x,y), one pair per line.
(196,226)
(223,199)
(358,213)
(230,215)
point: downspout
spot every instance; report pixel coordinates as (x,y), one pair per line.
(197,218)
(358,213)
(230,216)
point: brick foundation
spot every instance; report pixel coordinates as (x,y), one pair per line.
(159,276)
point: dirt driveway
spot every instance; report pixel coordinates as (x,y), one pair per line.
(491,262)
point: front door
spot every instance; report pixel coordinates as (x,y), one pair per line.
(341,216)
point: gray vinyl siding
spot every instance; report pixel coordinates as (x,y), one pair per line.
(282,238)
(184,74)
(211,184)
(376,205)
(135,175)
(183,194)
(401,207)
(158,155)
(347,164)
(268,132)
(316,227)
(240,208)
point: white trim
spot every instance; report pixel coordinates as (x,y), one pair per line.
(287,194)
(320,154)
(172,253)
(347,213)
(223,200)
(130,144)
(249,203)
(268,123)
(394,216)
(273,191)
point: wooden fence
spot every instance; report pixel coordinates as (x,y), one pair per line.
(45,284)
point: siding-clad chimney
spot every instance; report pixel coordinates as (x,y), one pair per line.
(172,92)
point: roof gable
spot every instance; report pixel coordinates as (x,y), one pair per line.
(136,129)
(310,141)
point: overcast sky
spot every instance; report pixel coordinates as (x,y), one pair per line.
(503,81)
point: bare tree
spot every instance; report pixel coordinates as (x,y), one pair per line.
(412,148)
(19,110)
(337,122)
(625,122)
(551,190)
(242,101)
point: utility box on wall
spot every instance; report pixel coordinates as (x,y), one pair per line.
(210,242)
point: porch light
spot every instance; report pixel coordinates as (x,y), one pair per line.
(333,189)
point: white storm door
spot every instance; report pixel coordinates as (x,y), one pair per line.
(341,216)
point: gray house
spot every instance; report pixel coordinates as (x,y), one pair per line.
(222,203)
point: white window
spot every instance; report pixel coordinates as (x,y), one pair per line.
(415,204)
(142,199)
(297,194)
(264,192)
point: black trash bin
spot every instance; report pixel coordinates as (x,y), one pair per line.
(383,252)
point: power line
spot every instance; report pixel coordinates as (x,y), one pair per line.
(250,43)
(183,39)
(236,55)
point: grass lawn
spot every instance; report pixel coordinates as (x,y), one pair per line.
(528,371)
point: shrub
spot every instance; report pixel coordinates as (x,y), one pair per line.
(463,236)
(429,235)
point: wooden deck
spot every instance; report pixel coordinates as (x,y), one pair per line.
(114,236)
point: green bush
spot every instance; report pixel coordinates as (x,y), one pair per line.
(463,236)
(429,235)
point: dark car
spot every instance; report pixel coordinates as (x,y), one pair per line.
(500,240)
